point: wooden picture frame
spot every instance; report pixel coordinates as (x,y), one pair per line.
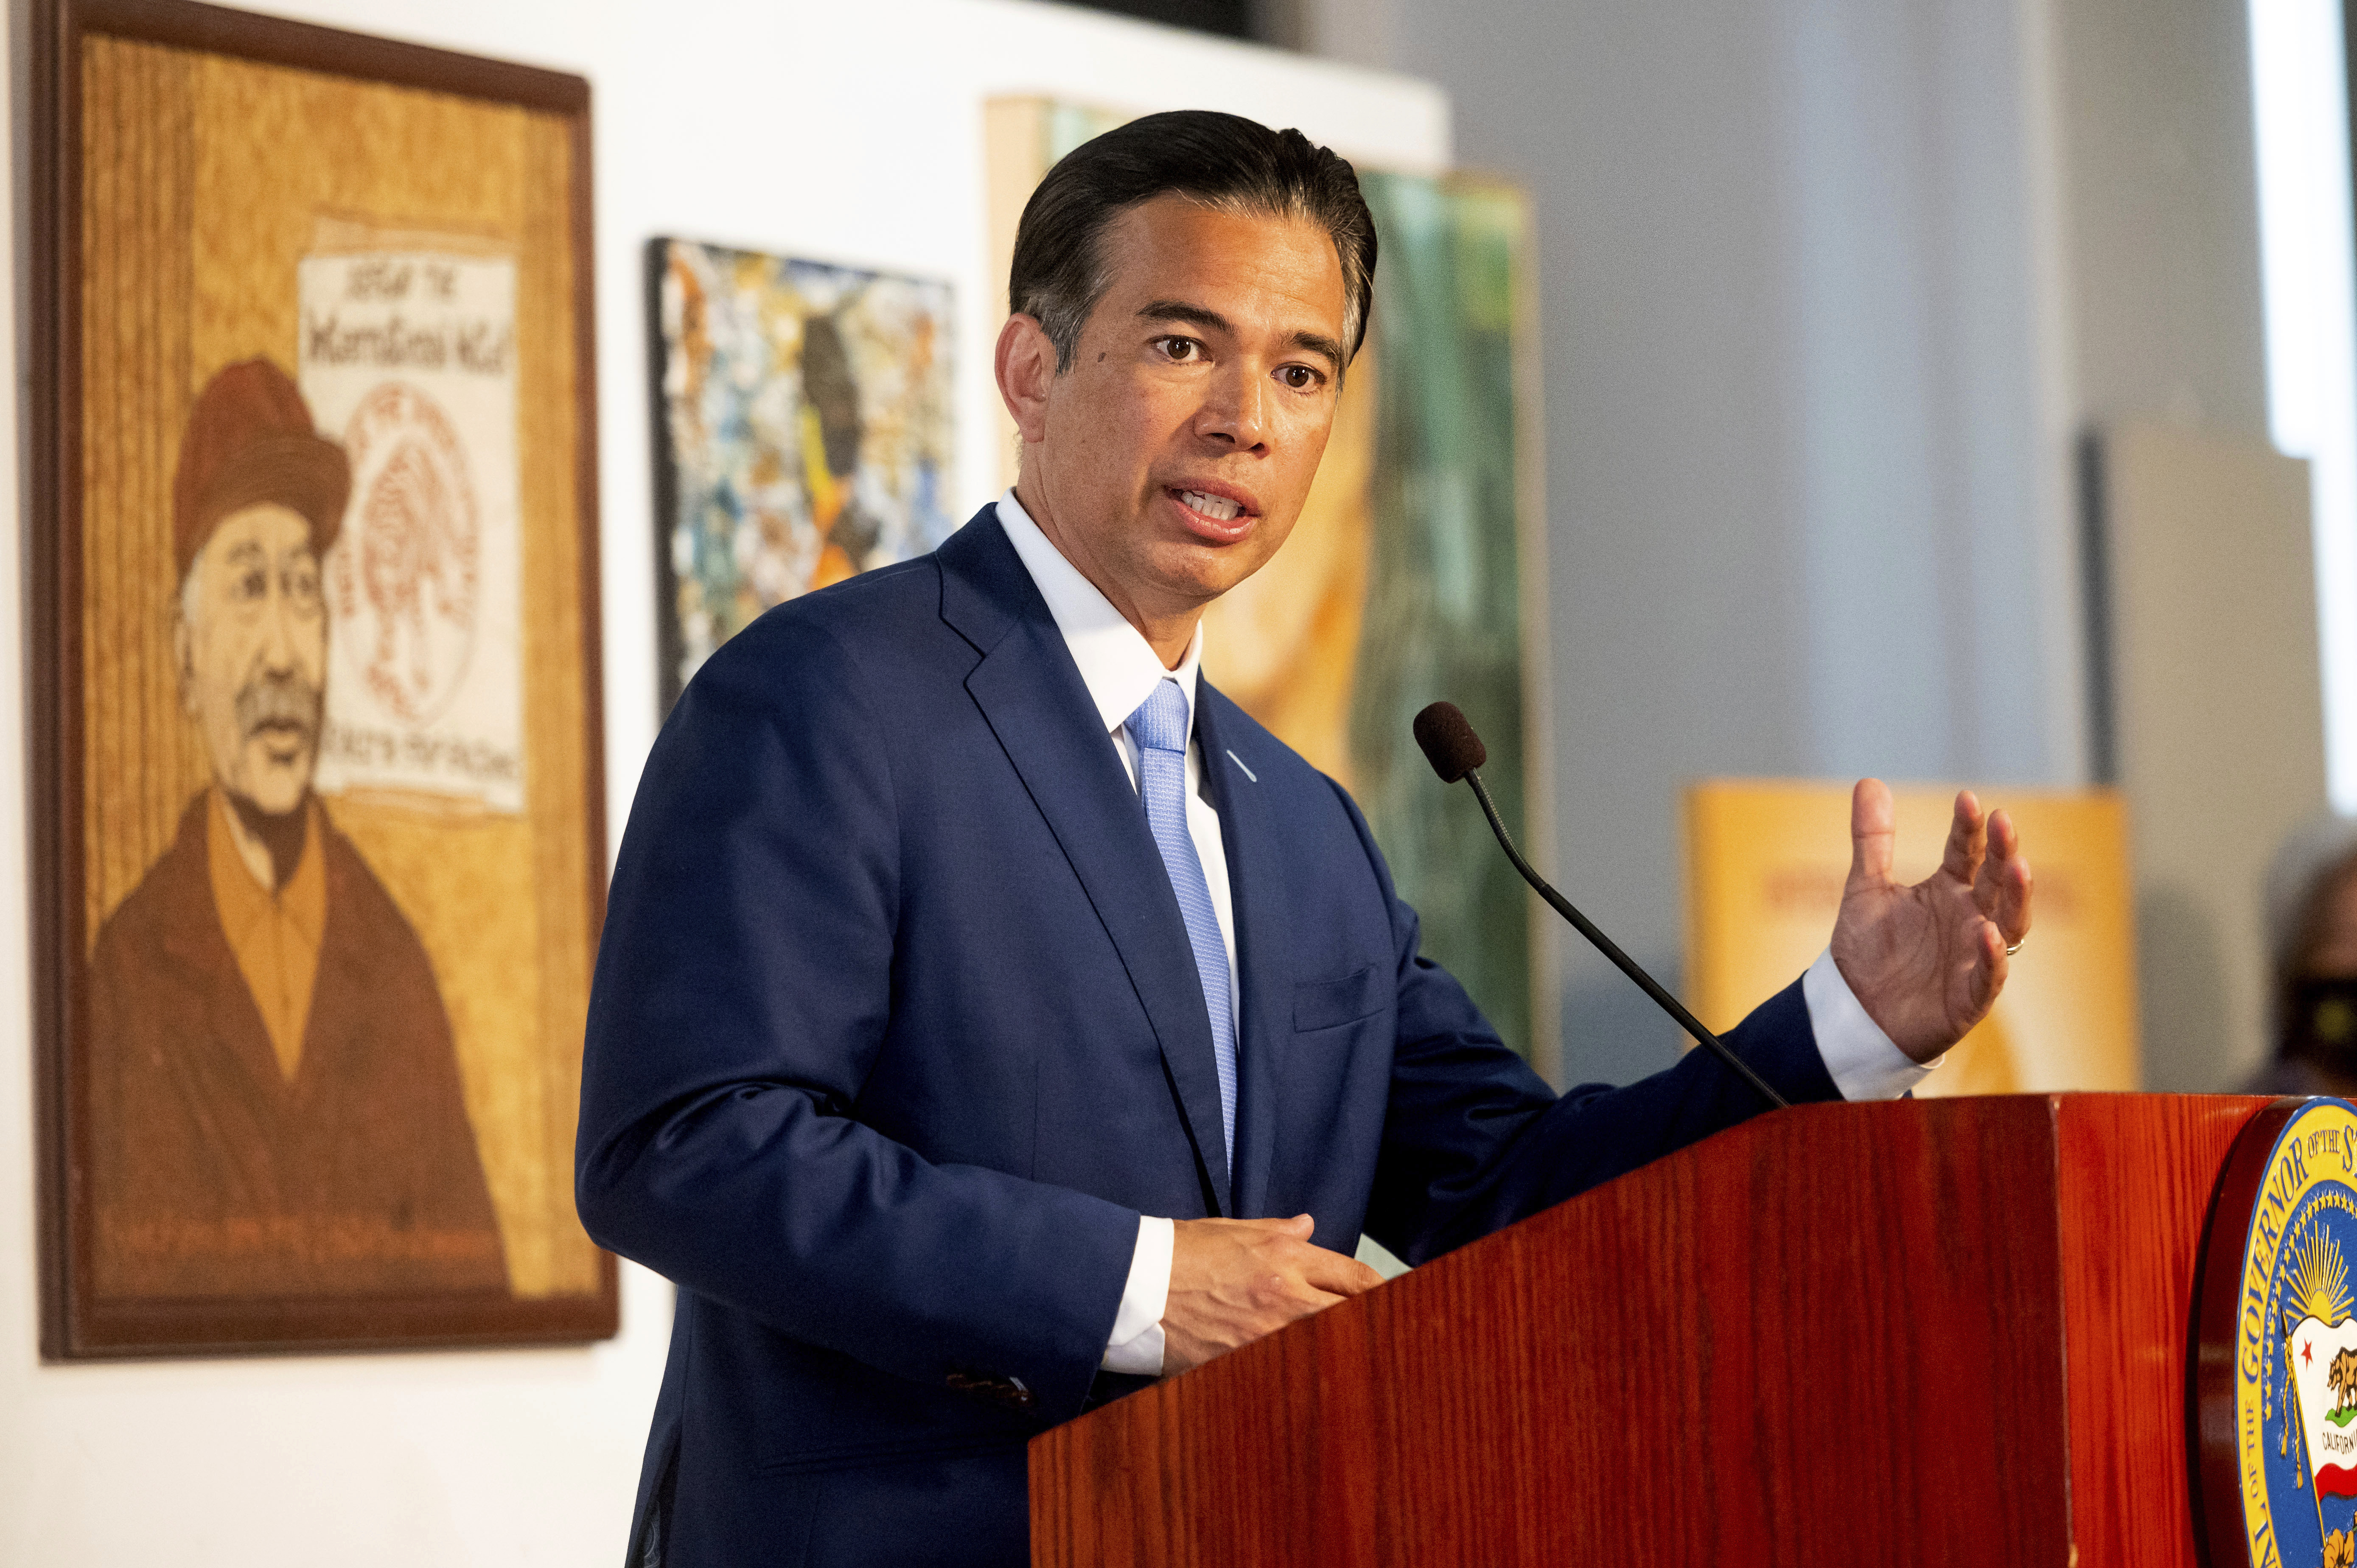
(313,428)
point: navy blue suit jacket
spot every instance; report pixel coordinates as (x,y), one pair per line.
(896,1033)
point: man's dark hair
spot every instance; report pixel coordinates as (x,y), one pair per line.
(1225,162)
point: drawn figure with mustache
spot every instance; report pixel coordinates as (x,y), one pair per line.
(274,1094)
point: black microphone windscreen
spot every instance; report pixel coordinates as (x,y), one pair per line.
(1449,742)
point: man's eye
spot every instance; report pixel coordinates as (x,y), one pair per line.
(1181,347)
(249,585)
(1300,378)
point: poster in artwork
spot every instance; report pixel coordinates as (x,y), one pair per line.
(409,357)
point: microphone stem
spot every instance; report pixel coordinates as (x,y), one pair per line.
(1611,950)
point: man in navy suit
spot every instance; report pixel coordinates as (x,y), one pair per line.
(992,1017)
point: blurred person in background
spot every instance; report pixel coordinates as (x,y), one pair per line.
(2311,913)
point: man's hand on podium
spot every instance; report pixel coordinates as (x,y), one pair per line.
(1232,1281)
(1927,962)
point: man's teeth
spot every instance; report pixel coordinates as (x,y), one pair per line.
(1218,507)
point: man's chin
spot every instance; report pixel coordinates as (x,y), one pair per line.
(278,796)
(1203,574)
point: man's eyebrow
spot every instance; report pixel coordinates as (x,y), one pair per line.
(1212,321)
(1192,315)
(1318,343)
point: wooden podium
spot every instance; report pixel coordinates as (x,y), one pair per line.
(1948,1331)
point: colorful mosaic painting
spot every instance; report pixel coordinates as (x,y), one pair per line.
(804,432)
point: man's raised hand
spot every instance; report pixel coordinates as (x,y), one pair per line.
(1232,1281)
(1927,962)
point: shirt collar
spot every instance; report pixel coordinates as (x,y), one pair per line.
(1117,664)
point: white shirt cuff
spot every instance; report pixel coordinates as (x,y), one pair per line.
(1858,1057)
(1136,1343)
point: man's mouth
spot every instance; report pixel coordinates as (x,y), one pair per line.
(284,742)
(1219,519)
(280,713)
(1217,508)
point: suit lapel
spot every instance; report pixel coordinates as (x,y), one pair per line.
(1031,694)
(1248,837)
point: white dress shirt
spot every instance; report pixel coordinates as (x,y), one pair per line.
(1121,670)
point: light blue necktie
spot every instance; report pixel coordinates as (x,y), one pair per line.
(1159,728)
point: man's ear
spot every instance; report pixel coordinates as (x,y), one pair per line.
(1025,365)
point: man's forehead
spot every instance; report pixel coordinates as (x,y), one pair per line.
(264,525)
(1173,249)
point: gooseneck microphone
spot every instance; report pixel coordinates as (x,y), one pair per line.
(1455,752)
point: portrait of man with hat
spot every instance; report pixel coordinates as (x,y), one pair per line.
(275,1095)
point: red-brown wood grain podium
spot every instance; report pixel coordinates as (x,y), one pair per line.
(1944,1331)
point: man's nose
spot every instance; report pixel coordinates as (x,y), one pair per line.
(1233,413)
(278,631)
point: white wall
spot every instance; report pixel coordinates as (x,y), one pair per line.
(839,132)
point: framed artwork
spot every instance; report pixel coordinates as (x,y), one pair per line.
(802,433)
(318,810)
(1417,568)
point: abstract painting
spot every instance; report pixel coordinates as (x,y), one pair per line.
(802,433)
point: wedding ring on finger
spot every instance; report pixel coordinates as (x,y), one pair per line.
(2013,947)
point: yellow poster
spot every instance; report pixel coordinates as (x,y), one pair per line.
(1765,864)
